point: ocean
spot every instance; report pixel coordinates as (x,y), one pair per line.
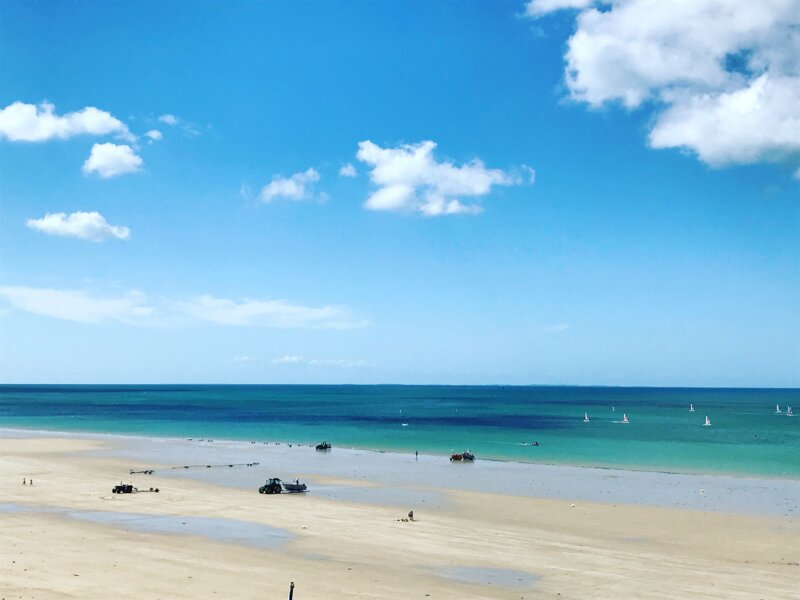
(746,437)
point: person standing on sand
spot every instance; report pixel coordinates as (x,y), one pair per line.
(411,515)
(23,481)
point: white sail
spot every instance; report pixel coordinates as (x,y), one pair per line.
(789,412)
(778,409)
(691,408)
(585,417)
(707,423)
(625,418)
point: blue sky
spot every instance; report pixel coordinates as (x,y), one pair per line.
(172,207)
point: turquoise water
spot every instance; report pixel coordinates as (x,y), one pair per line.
(746,437)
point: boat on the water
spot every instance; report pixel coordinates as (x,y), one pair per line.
(778,409)
(707,422)
(691,408)
(789,412)
(625,418)
(585,417)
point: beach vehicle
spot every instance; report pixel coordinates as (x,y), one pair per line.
(464,456)
(272,486)
(127,488)
(707,423)
(323,446)
(585,417)
(294,488)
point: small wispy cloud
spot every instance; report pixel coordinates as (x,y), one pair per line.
(136,308)
(290,359)
(348,170)
(154,135)
(558,328)
(243,359)
(295,187)
(90,226)
(170,120)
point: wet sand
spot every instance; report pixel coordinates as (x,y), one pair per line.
(485,530)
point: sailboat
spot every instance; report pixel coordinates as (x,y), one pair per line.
(625,418)
(691,408)
(585,417)
(778,409)
(789,412)
(707,423)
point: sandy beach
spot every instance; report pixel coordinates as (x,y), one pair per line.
(501,530)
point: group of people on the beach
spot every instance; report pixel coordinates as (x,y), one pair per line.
(26,481)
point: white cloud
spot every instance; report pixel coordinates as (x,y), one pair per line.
(135,308)
(537,8)
(154,134)
(171,120)
(20,122)
(244,359)
(82,225)
(268,313)
(111,160)
(348,170)
(290,359)
(723,74)
(559,328)
(297,187)
(76,305)
(409,178)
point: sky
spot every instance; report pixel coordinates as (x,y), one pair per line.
(582,192)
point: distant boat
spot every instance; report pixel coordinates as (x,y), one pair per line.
(789,412)
(778,409)
(624,418)
(613,408)
(691,408)
(707,423)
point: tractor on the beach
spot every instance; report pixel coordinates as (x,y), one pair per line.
(272,486)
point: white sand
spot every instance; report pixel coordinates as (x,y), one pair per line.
(345,541)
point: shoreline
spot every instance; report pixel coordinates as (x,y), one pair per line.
(398,478)
(403,452)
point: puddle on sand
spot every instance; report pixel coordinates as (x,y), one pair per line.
(488,576)
(217,529)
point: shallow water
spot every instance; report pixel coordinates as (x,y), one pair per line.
(489,576)
(217,529)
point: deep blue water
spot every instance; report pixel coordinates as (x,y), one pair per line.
(746,435)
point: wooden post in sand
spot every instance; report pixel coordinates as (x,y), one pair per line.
(291,590)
